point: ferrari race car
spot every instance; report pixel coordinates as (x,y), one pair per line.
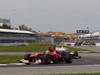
(48,57)
(58,55)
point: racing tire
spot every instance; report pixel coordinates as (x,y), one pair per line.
(67,59)
(27,56)
(28,63)
(46,59)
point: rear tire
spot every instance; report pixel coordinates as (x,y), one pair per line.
(67,59)
(46,59)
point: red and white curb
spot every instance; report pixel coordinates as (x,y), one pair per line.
(12,64)
(3,64)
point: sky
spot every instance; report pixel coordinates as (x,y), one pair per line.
(53,15)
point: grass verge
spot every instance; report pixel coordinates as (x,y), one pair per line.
(5,59)
(27,48)
(33,48)
(75,49)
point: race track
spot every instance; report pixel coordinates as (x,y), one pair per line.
(44,70)
(88,63)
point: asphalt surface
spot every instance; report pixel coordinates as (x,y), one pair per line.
(90,62)
(87,59)
(90,48)
(44,70)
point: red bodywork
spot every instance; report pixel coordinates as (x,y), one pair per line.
(53,56)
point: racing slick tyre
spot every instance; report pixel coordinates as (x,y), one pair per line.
(28,63)
(27,56)
(65,57)
(46,59)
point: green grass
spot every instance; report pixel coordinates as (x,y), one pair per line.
(32,48)
(72,49)
(76,49)
(27,48)
(4,59)
(78,74)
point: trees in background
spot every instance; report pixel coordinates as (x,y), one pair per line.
(20,27)
(24,27)
(5,26)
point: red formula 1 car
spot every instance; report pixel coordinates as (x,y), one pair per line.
(48,57)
